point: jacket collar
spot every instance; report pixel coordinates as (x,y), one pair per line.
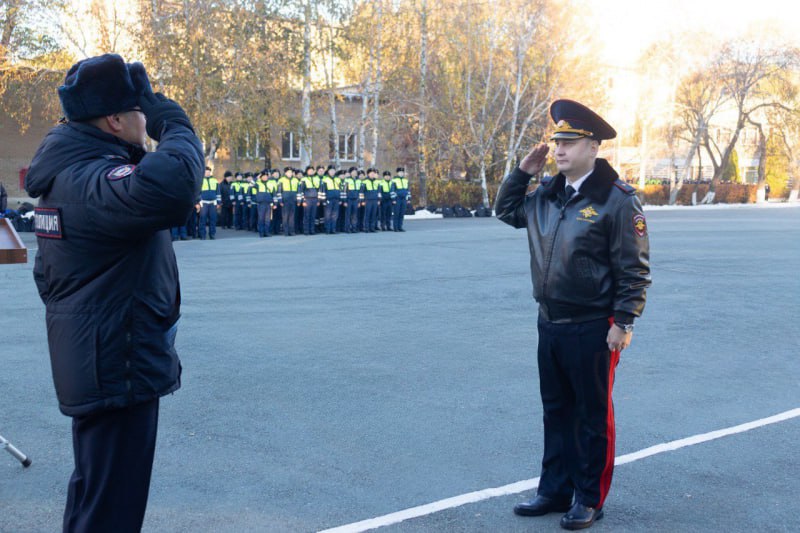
(134,153)
(597,186)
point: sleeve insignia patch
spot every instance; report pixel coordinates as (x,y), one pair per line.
(47,223)
(639,225)
(117,173)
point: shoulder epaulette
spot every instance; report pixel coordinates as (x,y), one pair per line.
(624,187)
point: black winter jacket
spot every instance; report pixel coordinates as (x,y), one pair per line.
(105,267)
(590,256)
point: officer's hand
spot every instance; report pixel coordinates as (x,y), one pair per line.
(533,163)
(159,110)
(617,339)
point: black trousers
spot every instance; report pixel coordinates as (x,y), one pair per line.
(113,461)
(576,376)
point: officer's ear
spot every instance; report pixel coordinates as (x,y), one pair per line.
(110,123)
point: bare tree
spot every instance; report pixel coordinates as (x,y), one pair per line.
(423,78)
(529,87)
(376,92)
(747,71)
(699,98)
(486,96)
(305,136)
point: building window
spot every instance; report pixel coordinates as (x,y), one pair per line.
(290,146)
(250,147)
(346,147)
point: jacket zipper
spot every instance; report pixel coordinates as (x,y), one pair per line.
(552,249)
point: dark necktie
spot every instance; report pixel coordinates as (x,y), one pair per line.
(568,192)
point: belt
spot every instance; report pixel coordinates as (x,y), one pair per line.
(208,202)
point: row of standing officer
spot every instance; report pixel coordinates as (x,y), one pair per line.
(267,202)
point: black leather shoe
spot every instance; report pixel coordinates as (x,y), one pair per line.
(580,517)
(540,505)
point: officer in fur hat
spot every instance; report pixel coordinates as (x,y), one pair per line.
(590,270)
(106,271)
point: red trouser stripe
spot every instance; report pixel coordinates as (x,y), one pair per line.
(611,434)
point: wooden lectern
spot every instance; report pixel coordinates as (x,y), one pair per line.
(12,249)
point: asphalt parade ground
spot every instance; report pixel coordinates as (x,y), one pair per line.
(331,380)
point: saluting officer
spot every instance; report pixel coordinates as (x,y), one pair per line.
(287,191)
(209,197)
(590,269)
(385,188)
(106,272)
(400,196)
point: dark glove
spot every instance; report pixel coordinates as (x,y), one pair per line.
(159,110)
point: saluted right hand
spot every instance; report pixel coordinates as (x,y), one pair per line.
(533,163)
(158,110)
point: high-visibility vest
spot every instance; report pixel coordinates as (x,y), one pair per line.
(311,182)
(352,185)
(210,184)
(370,185)
(238,188)
(400,183)
(385,186)
(288,184)
(330,184)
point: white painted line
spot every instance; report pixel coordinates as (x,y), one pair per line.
(528,484)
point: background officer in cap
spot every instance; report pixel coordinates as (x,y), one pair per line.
(330,195)
(385,188)
(210,195)
(400,195)
(226,193)
(287,194)
(106,271)
(238,201)
(264,192)
(272,183)
(371,199)
(251,209)
(310,189)
(352,193)
(590,269)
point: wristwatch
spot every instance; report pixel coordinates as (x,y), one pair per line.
(627,328)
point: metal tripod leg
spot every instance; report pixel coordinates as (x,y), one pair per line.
(21,457)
